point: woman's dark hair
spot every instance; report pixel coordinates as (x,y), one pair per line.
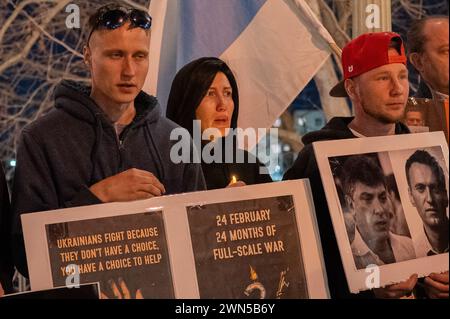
(191,85)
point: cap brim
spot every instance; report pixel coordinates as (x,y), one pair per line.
(339,90)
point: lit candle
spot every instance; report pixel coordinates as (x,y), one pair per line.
(233,180)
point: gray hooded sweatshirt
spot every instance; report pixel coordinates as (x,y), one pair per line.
(75,145)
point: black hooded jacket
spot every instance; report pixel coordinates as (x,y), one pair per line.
(186,94)
(6,266)
(306,167)
(75,145)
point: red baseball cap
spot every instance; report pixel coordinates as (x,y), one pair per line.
(365,53)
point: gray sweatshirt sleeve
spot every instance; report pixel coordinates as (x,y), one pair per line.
(34,191)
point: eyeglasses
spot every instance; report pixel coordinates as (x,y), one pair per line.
(114,18)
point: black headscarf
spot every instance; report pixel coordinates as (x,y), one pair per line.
(188,90)
(190,87)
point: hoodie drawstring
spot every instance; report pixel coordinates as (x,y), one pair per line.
(96,147)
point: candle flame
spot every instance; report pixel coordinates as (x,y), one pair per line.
(253,274)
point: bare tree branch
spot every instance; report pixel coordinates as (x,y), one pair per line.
(76,53)
(22,55)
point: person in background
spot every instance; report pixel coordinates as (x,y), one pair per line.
(427,43)
(414,117)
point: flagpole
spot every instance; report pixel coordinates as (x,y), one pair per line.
(336,49)
(306,10)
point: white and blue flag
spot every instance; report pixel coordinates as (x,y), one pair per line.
(274,48)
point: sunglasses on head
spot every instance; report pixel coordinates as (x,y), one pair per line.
(115,18)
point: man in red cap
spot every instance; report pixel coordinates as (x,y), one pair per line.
(376,81)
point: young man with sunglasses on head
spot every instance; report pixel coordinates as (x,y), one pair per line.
(105,143)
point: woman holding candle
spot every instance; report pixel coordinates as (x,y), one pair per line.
(206,90)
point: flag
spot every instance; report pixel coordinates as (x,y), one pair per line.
(274,48)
